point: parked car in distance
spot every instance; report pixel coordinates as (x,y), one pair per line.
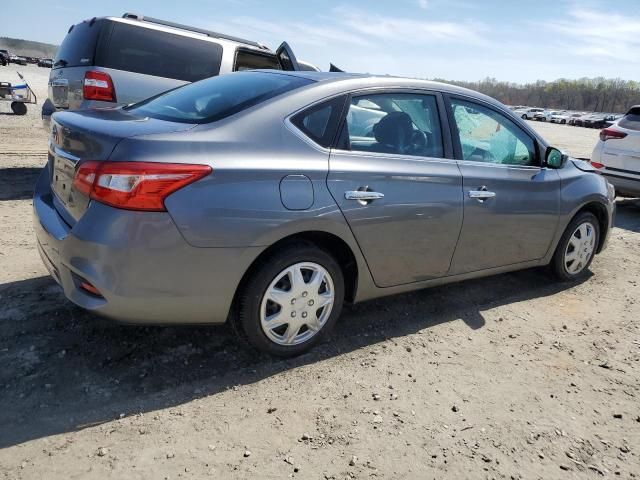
(559,117)
(4,57)
(545,115)
(580,121)
(574,117)
(600,120)
(617,154)
(18,60)
(45,62)
(529,113)
(217,202)
(96,67)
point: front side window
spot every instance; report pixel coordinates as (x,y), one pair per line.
(396,123)
(488,136)
(218,97)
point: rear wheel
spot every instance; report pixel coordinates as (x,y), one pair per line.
(577,247)
(18,108)
(524,116)
(292,300)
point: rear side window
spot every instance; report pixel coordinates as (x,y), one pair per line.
(161,54)
(320,122)
(216,98)
(79,46)
(631,120)
(251,60)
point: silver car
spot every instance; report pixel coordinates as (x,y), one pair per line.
(111,61)
(268,199)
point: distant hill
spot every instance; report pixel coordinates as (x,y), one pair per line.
(28,48)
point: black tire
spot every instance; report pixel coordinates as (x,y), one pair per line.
(250,299)
(558,265)
(524,116)
(18,108)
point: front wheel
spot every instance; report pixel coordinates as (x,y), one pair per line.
(292,300)
(524,116)
(577,247)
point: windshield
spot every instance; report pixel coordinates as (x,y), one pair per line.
(216,98)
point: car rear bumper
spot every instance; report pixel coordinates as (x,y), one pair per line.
(140,263)
(624,185)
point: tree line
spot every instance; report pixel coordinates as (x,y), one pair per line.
(587,94)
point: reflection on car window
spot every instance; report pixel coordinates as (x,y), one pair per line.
(397,123)
(320,122)
(487,136)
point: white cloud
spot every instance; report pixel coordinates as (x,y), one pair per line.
(590,33)
(424,4)
(409,30)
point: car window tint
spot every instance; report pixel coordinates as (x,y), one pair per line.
(396,123)
(218,97)
(251,60)
(488,136)
(631,120)
(320,122)
(78,47)
(161,54)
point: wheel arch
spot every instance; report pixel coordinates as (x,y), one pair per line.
(329,242)
(600,212)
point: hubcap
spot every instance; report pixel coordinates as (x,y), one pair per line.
(297,304)
(580,248)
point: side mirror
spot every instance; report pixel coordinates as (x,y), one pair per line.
(554,158)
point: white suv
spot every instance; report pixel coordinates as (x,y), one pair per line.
(617,154)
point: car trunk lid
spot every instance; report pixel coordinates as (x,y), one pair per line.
(91,135)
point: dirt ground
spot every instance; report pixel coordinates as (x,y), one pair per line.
(513,376)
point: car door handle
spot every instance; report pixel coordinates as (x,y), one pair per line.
(481,194)
(362,195)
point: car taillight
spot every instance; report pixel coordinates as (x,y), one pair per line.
(597,165)
(610,134)
(98,86)
(135,185)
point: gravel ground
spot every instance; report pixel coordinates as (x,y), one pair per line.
(510,377)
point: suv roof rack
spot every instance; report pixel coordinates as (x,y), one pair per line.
(209,33)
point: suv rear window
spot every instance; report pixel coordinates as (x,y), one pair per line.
(79,46)
(252,60)
(631,120)
(161,54)
(216,98)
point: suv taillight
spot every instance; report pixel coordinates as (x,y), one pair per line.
(98,86)
(135,185)
(609,134)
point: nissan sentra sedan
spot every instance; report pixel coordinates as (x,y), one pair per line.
(268,199)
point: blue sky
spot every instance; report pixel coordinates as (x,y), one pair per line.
(510,40)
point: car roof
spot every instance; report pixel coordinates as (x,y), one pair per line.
(357,80)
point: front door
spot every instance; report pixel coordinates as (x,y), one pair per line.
(400,194)
(511,202)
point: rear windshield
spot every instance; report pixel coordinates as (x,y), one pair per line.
(79,46)
(631,120)
(218,97)
(161,54)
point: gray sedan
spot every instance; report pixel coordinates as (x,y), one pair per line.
(268,199)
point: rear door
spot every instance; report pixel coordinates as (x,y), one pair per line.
(511,202)
(394,177)
(287,58)
(622,155)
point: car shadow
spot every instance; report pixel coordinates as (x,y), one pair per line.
(628,214)
(64,369)
(16,183)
